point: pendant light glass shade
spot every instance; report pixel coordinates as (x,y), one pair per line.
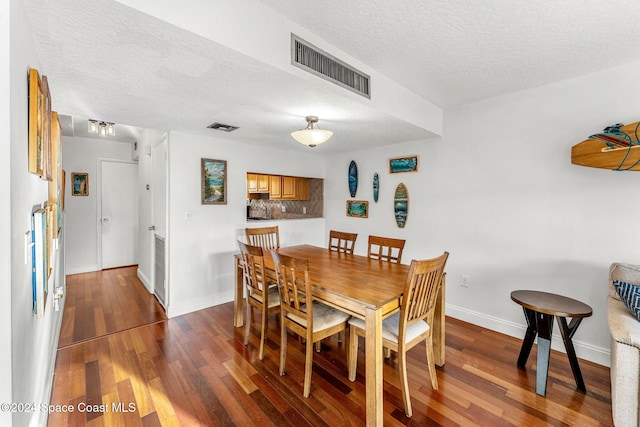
(311,136)
(93,126)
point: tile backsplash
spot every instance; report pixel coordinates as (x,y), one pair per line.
(293,208)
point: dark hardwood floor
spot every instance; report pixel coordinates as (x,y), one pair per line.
(133,367)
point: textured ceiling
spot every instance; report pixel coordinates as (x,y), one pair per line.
(456,51)
(110,62)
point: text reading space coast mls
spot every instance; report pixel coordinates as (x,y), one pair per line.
(79,407)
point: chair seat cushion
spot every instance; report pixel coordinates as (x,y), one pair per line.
(274,297)
(390,327)
(324,317)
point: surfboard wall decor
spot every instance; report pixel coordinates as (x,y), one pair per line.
(401,205)
(353,178)
(376,186)
(617,147)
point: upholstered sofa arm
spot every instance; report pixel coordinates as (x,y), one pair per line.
(624,327)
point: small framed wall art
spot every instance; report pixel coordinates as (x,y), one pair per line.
(403,164)
(358,208)
(37,139)
(213,182)
(79,184)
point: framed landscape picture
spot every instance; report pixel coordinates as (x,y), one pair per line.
(358,208)
(403,164)
(37,102)
(213,182)
(79,184)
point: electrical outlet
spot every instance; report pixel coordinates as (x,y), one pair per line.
(464,280)
(283,208)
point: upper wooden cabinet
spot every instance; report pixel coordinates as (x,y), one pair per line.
(289,189)
(275,187)
(257,183)
(295,188)
(303,188)
(279,187)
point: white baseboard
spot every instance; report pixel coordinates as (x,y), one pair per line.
(198,304)
(595,354)
(77,269)
(145,280)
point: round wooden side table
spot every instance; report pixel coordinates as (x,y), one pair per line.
(539,309)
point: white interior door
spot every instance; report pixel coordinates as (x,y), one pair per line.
(159,219)
(119,213)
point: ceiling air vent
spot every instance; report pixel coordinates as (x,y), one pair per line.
(306,56)
(220,126)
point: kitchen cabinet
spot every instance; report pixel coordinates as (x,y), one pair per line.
(302,185)
(275,187)
(257,183)
(295,188)
(289,190)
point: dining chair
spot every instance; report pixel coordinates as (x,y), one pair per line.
(340,241)
(301,313)
(265,237)
(255,280)
(409,326)
(385,249)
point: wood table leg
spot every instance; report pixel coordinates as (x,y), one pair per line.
(373,367)
(529,336)
(567,334)
(438,326)
(238,296)
(545,330)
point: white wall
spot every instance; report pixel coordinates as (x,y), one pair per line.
(5,207)
(81,222)
(499,192)
(29,374)
(201,248)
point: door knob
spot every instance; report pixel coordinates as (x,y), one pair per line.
(153,227)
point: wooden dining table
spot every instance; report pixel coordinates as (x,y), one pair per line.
(365,288)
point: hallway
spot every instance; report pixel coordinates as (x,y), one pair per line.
(105,302)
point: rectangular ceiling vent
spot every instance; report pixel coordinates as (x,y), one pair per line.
(223,127)
(306,56)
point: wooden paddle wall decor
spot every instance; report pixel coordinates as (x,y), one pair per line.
(617,147)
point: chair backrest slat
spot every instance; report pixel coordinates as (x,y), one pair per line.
(421,290)
(294,286)
(340,241)
(385,249)
(253,269)
(265,237)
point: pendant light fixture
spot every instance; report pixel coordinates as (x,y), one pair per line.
(311,136)
(102,128)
